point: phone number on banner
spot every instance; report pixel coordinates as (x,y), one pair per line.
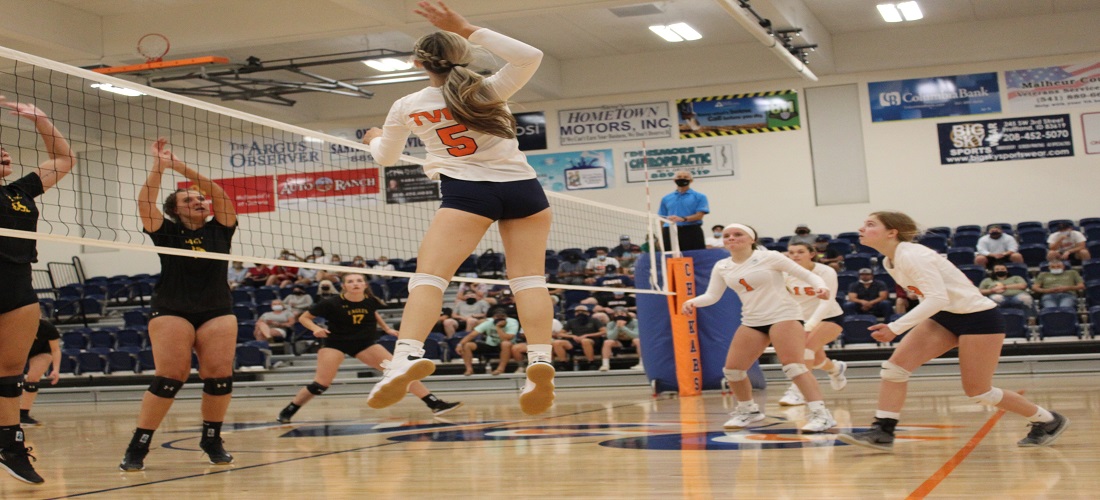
(1023,138)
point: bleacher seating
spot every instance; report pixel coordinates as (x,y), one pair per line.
(1015,323)
(960,256)
(1033,254)
(936,242)
(1034,236)
(1058,322)
(856,329)
(976,273)
(857,261)
(966,240)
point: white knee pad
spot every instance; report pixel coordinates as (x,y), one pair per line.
(990,398)
(420,279)
(894,373)
(524,282)
(809,355)
(735,375)
(794,369)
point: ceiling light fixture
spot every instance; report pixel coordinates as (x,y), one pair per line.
(117,90)
(388,64)
(904,11)
(910,10)
(676,32)
(384,81)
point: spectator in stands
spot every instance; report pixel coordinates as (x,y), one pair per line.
(507,301)
(560,346)
(326,289)
(479,290)
(868,296)
(283,276)
(298,301)
(802,234)
(446,325)
(906,299)
(629,260)
(306,276)
(1067,243)
(571,270)
(236,274)
(685,207)
(359,261)
(997,248)
(623,248)
(45,353)
(257,276)
(383,264)
(825,255)
(274,324)
(1059,286)
(715,238)
(490,337)
(470,311)
(597,266)
(622,331)
(333,260)
(585,332)
(1006,290)
(318,253)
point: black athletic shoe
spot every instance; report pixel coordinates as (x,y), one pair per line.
(215,450)
(1044,433)
(28,420)
(874,438)
(133,460)
(16,459)
(444,407)
(285,415)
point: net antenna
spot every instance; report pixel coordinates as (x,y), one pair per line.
(153,47)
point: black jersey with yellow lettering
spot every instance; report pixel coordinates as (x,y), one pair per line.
(18,211)
(46,333)
(189,284)
(345,318)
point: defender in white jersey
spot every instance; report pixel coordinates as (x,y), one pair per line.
(952,313)
(768,316)
(470,135)
(822,320)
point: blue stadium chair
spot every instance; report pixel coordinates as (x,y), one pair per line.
(262,308)
(120,361)
(975,273)
(251,355)
(574,297)
(1033,236)
(856,329)
(776,246)
(136,317)
(129,338)
(246,331)
(434,345)
(841,246)
(145,361)
(95,289)
(68,362)
(389,342)
(941,230)
(1092,233)
(844,280)
(850,237)
(764,240)
(397,289)
(242,295)
(490,265)
(1092,293)
(91,362)
(452,344)
(969,228)
(408,266)
(265,294)
(46,307)
(1093,247)
(885,278)
(566,251)
(244,312)
(1088,221)
(1090,269)
(470,264)
(1015,323)
(1034,254)
(74,340)
(100,338)
(784,240)
(1018,269)
(1058,322)
(934,241)
(118,291)
(141,288)
(966,240)
(1031,224)
(378,289)
(857,261)
(93,305)
(1053,225)
(960,256)
(551,266)
(1094,321)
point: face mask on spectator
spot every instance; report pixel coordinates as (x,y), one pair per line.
(622,318)
(601,257)
(865,281)
(471,300)
(995,235)
(1001,274)
(683,182)
(299,291)
(717,234)
(802,231)
(1057,271)
(276,308)
(318,253)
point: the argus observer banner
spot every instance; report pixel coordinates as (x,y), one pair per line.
(1053,86)
(1024,138)
(625,122)
(574,171)
(934,97)
(702,160)
(267,154)
(751,113)
(531,130)
(408,184)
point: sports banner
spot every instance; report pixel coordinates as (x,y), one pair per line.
(339,187)
(408,184)
(732,114)
(1053,86)
(934,97)
(1090,128)
(625,122)
(573,171)
(531,130)
(1023,138)
(250,195)
(702,160)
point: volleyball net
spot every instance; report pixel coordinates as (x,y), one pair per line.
(294,189)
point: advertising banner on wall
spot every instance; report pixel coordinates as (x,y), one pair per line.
(355,187)
(408,184)
(702,160)
(1053,86)
(1023,138)
(269,153)
(626,122)
(575,170)
(250,195)
(733,114)
(531,130)
(934,97)
(1090,128)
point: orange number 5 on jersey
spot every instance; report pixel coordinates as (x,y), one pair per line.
(459,145)
(748,287)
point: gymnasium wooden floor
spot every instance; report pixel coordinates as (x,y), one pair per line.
(593,444)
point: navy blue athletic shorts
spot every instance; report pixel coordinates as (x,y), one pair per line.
(18,291)
(988,322)
(494,200)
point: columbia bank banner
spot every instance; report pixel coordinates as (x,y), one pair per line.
(934,97)
(1023,138)
(1053,86)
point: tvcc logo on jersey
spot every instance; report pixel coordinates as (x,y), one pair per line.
(889,98)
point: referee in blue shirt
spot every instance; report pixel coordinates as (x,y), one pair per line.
(686,207)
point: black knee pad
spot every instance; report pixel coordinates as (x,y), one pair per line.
(11,387)
(165,387)
(30,386)
(218,386)
(316,389)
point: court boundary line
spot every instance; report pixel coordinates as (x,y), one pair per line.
(948,467)
(284,461)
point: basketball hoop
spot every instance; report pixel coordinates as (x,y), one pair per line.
(153,47)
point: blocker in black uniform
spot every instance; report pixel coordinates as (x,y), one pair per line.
(191,304)
(351,328)
(45,351)
(18,303)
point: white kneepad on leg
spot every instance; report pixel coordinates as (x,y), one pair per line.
(894,373)
(990,398)
(525,282)
(795,369)
(735,375)
(420,279)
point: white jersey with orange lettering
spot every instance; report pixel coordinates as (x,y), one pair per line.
(814,309)
(453,150)
(940,285)
(759,284)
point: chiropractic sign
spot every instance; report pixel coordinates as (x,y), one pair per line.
(702,160)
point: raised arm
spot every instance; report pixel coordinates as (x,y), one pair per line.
(151,216)
(61,159)
(224,211)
